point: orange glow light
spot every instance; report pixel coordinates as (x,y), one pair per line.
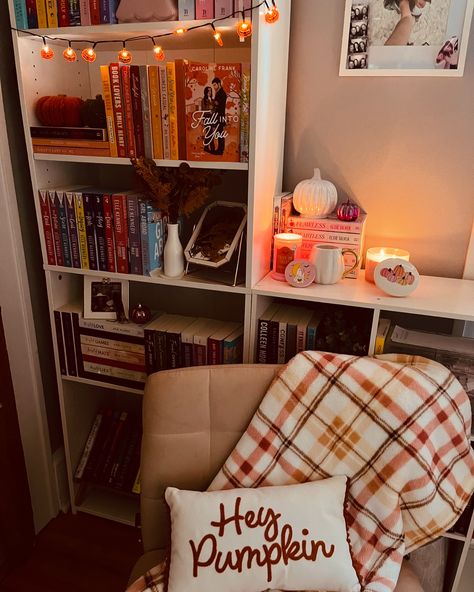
(124,56)
(180,31)
(89,55)
(244,29)
(69,54)
(218,37)
(272,14)
(46,52)
(159,53)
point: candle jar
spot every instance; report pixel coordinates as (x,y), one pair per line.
(286,248)
(376,254)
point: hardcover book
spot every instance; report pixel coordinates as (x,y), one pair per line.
(186,10)
(72,229)
(234,346)
(85,13)
(56,228)
(155,235)
(164,111)
(245,113)
(63,13)
(47,228)
(81,229)
(117,103)
(52,14)
(215,342)
(119,210)
(109,232)
(204,9)
(109,109)
(69,133)
(22,20)
(329,224)
(74,13)
(42,14)
(213,111)
(136,98)
(126,87)
(155,111)
(134,243)
(263,334)
(31,14)
(146,114)
(88,201)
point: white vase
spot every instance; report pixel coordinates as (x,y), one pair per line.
(173,254)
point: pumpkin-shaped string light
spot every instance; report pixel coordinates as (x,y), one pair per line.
(217,36)
(124,56)
(46,52)
(244,28)
(69,54)
(180,31)
(88,54)
(158,51)
(272,14)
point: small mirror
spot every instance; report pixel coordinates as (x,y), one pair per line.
(405,37)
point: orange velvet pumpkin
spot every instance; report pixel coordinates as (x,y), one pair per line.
(59,111)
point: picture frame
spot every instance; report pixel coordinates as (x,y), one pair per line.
(105,297)
(433,42)
(228,219)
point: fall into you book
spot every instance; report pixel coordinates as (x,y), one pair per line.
(213,111)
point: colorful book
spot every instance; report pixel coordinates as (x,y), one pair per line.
(75,13)
(329,224)
(70,143)
(94,6)
(137,113)
(144,238)
(63,13)
(245,113)
(104,10)
(42,14)
(110,343)
(31,14)
(187,340)
(70,150)
(117,102)
(109,232)
(186,10)
(146,114)
(329,236)
(47,227)
(112,354)
(155,111)
(128,110)
(88,446)
(382,332)
(155,236)
(173,340)
(234,346)
(52,14)
(263,334)
(69,133)
(56,229)
(215,342)
(21,16)
(204,9)
(72,229)
(109,109)
(84,13)
(81,229)
(155,343)
(312,329)
(134,242)
(213,111)
(164,111)
(88,202)
(223,8)
(99,230)
(201,336)
(119,210)
(172,110)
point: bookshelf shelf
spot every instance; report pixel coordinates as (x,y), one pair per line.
(101,384)
(113,506)
(230,166)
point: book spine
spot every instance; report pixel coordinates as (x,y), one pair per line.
(144,239)
(137,115)
(117,102)
(186,354)
(52,14)
(88,447)
(71,151)
(180,107)
(262,343)
(104,12)
(75,14)
(121,452)
(273,331)
(199,354)
(31,14)
(136,487)
(109,109)
(109,232)
(155,238)
(111,343)
(105,447)
(76,133)
(81,229)
(71,143)
(60,342)
(97,445)
(41,14)
(327,236)
(233,350)
(160,351)
(121,233)
(130,454)
(223,8)
(55,225)
(47,228)
(111,354)
(134,235)
(113,5)
(99,227)
(128,110)
(95,11)
(69,343)
(108,371)
(72,229)
(172,110)
(63,13)
(21,16)
(90,230)
(324,225)
(85,13)
(245,113)
(164,112)
(112,448)
(281,344)
(103,329)
(186,10)
(173,350)
(145,104)
(214,351)
(291,341)
(204,9)
(155,111)
(150,357)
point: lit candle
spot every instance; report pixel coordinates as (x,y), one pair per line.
(285,248)
(377,254)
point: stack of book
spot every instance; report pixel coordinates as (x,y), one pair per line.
(125,353)
(91,228)
(83,141)
(180,110)
(111,455)
(330,230)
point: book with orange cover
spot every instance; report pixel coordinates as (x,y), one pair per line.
(213,111)
(71,150)
(155,111)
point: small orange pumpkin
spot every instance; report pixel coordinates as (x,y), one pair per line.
(59,111)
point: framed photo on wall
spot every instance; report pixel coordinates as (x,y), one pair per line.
(405,37)
(105,298)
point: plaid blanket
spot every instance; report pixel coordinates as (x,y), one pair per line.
(398,426)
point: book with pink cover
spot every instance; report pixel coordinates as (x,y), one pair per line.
(212,102)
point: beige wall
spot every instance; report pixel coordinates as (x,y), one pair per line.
(402,147)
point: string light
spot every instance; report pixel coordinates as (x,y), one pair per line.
(244,28)
(124,55)
(158,51)
(69,54)
(89,55)
(217,36)
(272,14)
(180,31)
(46,52)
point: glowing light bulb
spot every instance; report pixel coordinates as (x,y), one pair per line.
(46,52)
(244,29)
(180,31)
(124,56)
(69,54)
(159,53)
(218,37)
(272,14)
(89,55)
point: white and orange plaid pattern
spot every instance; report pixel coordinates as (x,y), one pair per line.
(398,426)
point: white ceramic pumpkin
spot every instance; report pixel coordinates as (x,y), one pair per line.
(315,198)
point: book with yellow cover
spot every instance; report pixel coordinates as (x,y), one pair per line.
(172,109)
(42,14)
(81,230)
(155,111)
(52,14)
(109,109)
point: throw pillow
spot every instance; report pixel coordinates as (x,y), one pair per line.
(290,537)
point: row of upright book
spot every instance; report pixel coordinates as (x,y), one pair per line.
(125,353)
(329,230)
(88,228)
(42,14)
(180,110)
